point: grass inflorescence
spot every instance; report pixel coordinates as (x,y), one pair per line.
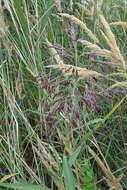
(63,86)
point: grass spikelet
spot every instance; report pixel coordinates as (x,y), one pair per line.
(77,71)
(58,5)
(82,25)
(111,41)
(123,24)
(54,52)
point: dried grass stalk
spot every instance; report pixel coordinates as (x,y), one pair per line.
(111,41)
(82,25)
(58,5)
(111,180)
(77,71)
(123,24)
(45,152)
(54,52)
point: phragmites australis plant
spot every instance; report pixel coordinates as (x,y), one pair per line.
(63,94)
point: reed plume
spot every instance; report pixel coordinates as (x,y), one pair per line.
(77,71)
(111,41)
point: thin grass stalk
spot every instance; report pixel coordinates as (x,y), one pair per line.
(112,181)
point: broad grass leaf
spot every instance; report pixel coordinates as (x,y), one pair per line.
(68,176)
(74,156)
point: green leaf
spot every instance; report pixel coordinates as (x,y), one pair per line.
(74,156)
(23,186)
(68,175)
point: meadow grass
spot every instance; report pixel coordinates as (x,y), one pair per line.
(63,94)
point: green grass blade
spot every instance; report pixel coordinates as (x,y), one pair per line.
(68,175)
(23,186)
(74,156)
(21,15)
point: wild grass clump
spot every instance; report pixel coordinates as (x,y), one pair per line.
(63,95)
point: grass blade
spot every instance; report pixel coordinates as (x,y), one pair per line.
(23,186)
(74,156)
(68,175)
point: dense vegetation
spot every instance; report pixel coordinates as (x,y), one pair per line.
(63,121)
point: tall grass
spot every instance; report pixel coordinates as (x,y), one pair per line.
(63,94)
